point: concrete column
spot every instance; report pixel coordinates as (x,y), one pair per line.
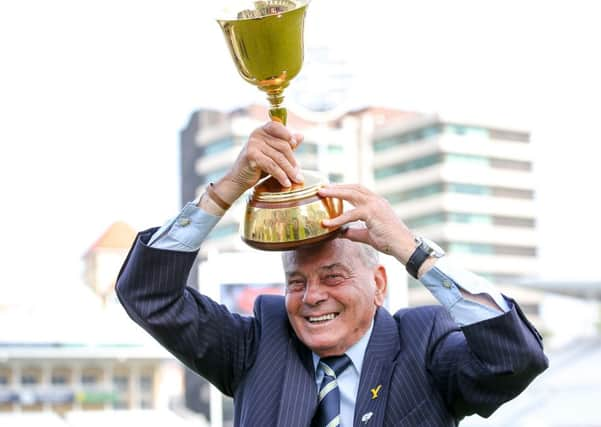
(76,375)
(134,386)
(216,407)
(46,382)
(16,383)
(108,381)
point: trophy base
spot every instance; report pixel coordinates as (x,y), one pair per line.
(278,219)
(291,245)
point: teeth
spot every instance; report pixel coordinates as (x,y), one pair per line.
(322,318)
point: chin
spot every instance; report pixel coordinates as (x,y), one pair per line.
(325,348)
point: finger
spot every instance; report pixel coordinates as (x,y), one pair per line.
(297,139)
(356,234)
(348,216)
(283,147)
(277,130)
(347,192)
(282,163)
(267,164)
(354,187)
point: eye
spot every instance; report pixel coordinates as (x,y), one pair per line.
(295,285)
(332,279)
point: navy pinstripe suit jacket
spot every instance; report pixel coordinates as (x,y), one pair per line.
(432,372)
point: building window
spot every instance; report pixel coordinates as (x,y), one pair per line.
(146,403)
(468,189)
(471,248)
(60,376)
(146,386)
(29,379)
(335,177)
(460,188)
(419,163)
(91,376)
(387,143)
(482,161)
(489,249)
(31,376)
(146,382)
(89,379)
(414,136)
(507,221)
(426,220)
(466,159)
(517,165)
(414,193)
(483,190)
(335,149)
(505,135)
(218,146)
(59,379)
(120,390)
(516,251)
(456,129)
(306,148)
(121,404)
(5,375)
(120,382)
(215,175)
(513,193)
(469,218)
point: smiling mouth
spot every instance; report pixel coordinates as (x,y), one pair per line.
(322,319)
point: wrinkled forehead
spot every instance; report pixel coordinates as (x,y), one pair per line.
(332,251)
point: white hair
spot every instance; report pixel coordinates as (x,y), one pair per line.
(368,254)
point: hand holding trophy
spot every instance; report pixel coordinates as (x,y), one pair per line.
(266,43)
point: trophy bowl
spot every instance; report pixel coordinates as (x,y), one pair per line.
(265,40)
(279,219)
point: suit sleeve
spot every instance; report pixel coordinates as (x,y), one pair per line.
(202,334)
(479,367)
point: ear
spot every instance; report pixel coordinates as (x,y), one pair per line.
(381,281)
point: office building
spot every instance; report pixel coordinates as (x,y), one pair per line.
(468,186)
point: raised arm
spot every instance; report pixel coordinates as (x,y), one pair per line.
(152,287)
(482,351)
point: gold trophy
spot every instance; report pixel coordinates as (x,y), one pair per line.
(266,43)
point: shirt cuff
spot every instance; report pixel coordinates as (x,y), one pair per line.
(185,232)
(444,281)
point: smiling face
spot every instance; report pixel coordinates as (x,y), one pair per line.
(332,292)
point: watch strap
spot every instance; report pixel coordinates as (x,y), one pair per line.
(417,258)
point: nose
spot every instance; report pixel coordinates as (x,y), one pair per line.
(315,293)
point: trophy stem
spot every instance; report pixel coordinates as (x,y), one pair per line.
(277,112)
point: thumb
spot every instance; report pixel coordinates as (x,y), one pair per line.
(298,139)
(356,234)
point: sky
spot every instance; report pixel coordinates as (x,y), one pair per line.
(93,95)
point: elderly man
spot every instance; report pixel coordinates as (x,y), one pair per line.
(328,353)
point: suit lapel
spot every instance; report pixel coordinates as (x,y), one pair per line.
(376,372)
(298,400)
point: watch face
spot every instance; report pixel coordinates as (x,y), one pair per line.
(435,250)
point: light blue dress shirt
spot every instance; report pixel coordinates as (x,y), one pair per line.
(187,231)
(348,380)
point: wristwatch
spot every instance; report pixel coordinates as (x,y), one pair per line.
(425,249)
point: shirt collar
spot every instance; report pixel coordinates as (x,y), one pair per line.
(356,352)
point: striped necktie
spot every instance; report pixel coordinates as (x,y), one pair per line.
(328,410)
